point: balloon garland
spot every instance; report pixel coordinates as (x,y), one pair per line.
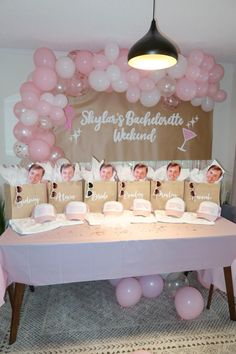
(44,104)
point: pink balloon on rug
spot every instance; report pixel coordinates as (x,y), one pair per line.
(152,285)
(128,292)
(189,303)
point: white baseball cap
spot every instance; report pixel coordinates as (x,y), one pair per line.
(44,212)
(141,207)
(113,208)
(76,210)
(175,207)
(209,211)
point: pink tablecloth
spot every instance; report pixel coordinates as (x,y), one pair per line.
(83,253)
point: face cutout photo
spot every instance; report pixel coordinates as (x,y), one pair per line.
(67,172)
(35,173)
(140,172)
(106,171)
(214,173)
(173,171)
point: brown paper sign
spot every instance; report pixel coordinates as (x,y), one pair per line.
(195,193)
(128,191)
(61,193)
(98,192)
(161,191)
(21,200)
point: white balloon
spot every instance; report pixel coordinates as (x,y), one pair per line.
(65,67)
(157,75)
(112,51)
(196,101)
(98,80)
(113,72)
(207,104)
(150,98)
(60,100)
(178,70)
(29,117)
(121,84)
(48,97)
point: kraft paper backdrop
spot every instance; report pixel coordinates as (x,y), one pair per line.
(91,137)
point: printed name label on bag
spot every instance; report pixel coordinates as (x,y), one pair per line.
(27,200)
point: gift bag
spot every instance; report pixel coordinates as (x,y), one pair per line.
(161,191)
(195,193)
(98,192)
(20,200)
(128,191)
(61,193)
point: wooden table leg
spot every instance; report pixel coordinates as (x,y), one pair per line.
(210,296)
(230,292)
(15,319)
(10,290)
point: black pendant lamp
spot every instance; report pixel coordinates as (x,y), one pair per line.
(152,51)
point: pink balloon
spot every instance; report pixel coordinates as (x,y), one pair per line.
(186,89)
(128,292)
(212,89)
(202,88)
(208,62)
(19,108)
(216,73)
(167,86)
(152,285)
(44,78)
(56,154)
(122,60)
(146,84)
(45,123)
(29,99)
(29,86)
(44,57)
(84,62)
(100,61)
(192,72)
(189,303)
(56,113)
(39,150)
(133,94)
(133,77)
(24,133)
(77,85)
(220,96)
(203,76)
(43,108)
(48,137)
(196,57)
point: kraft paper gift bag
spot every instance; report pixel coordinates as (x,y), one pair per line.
(161,191)
(98,192)
(195,193)
(20,200)
(61,193)
(128,191)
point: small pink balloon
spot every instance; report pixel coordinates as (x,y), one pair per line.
(122,60)
(45,123)
(44,57)
(202,88)
(167,86)
(216,73)
(29,86)
(48,137)
(84,62)
(186,89)
(212,89)
(100,62)
(208,62)
(152,285)
(189,303)
(220,96)
(146,84)
(196,57)
(133,77)
(39,150)
(24,133)
(128,292)
(203,76)
(44,78)
(29,99)
(56,113)
(19,108)
(192,72)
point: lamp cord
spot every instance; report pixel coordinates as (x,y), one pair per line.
(153,13)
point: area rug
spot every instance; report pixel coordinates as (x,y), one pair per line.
(85,318)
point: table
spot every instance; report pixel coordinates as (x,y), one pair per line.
(84,253)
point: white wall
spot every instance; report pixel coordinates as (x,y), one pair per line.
(16,65)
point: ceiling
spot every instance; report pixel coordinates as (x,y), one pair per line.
(64,25)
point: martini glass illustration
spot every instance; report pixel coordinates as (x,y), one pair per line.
(188,135)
